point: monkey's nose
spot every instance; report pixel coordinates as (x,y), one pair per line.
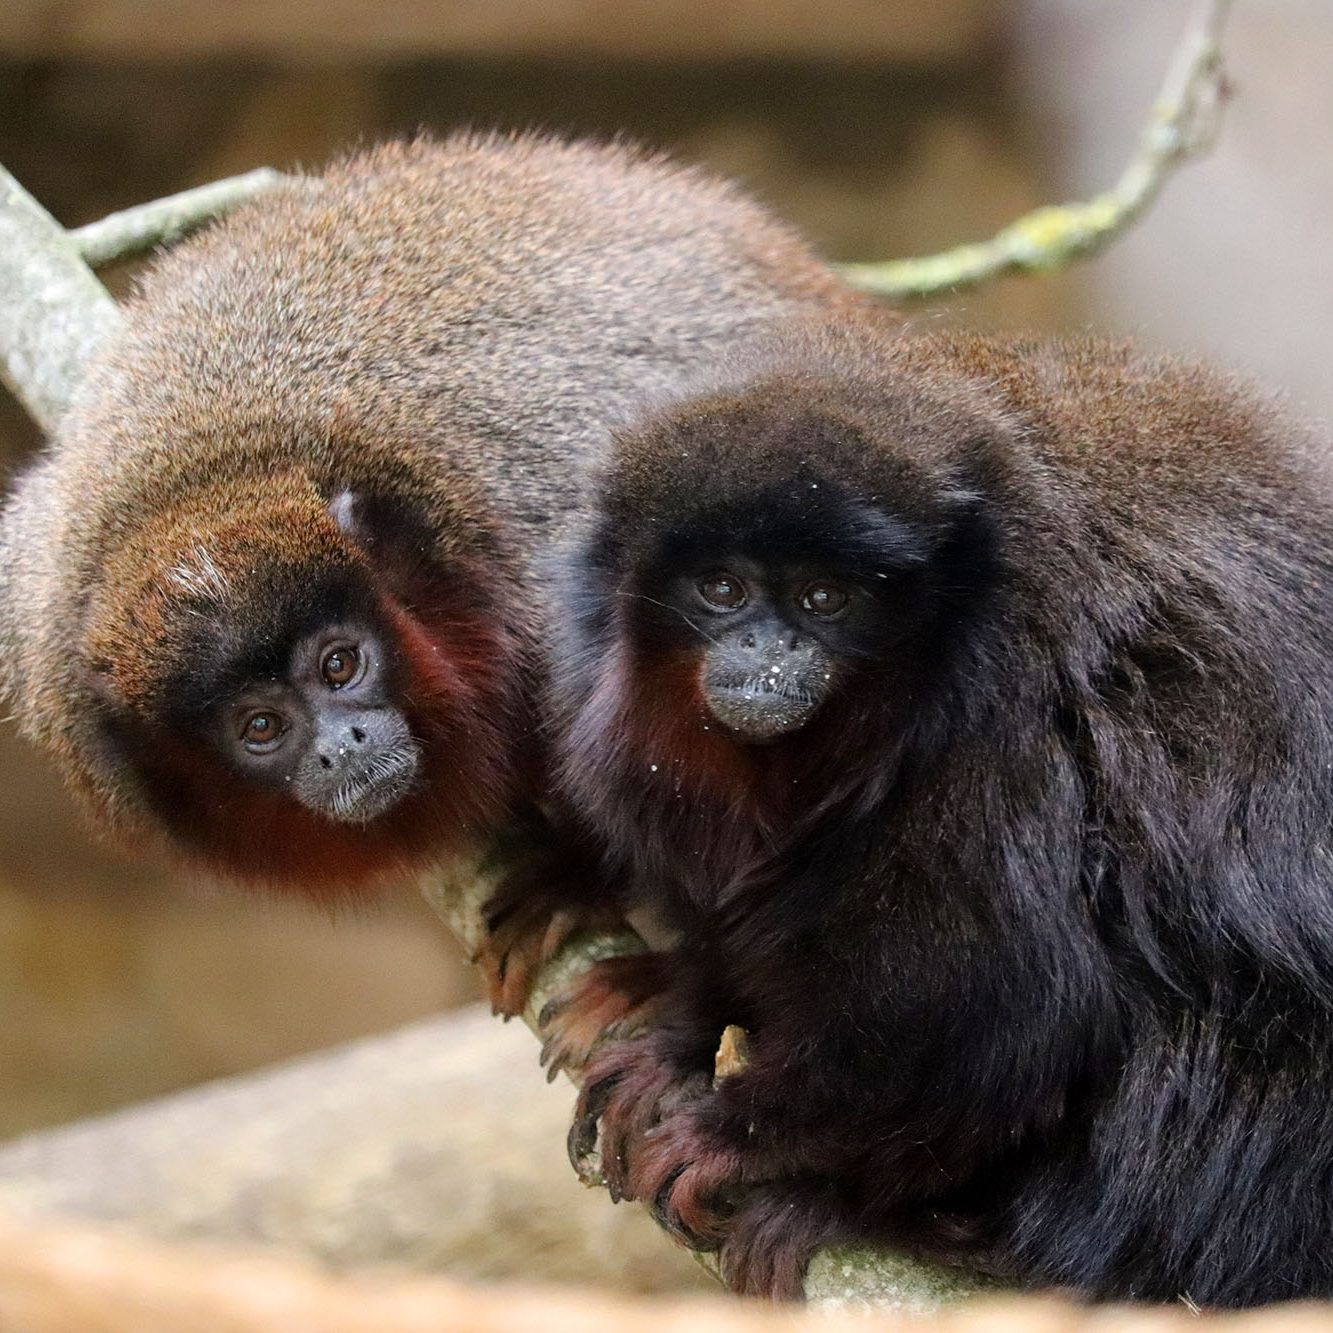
(336,754)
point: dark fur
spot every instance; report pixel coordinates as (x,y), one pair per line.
(443,329)
(1031,927)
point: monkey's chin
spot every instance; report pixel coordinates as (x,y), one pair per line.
(374,791)
(757,714)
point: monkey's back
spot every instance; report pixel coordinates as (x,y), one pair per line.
(497,301)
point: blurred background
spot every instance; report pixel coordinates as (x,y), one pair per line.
(884,128)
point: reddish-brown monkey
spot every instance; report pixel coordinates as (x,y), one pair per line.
(275,591)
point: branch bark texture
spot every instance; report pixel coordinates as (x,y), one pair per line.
(53,312)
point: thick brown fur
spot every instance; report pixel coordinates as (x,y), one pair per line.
(1029,925)
(444,330)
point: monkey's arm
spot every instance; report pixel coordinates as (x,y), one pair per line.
(560,891)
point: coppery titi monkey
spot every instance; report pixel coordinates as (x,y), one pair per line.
(274,591)
(968,706)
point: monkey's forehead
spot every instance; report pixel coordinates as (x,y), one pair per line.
(793,444)
(178,654)
(786,525)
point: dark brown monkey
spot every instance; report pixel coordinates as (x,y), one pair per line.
(274,592)
(968,705)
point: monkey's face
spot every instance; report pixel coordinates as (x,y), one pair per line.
(309,692)
(790,555)
(774,637)
(327,726)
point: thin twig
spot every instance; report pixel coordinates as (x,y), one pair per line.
(1183,124)
(137,230)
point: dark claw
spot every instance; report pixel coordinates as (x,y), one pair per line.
(669,1219)
(582,1141)
(661,1210)
(553,1007)
(551,1061)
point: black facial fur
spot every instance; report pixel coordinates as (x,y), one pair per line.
(310,664)
(780,612)
(327,727)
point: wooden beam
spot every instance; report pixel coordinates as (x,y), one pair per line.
(860,30)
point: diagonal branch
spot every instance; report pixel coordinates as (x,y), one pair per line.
(54,311)
(1182,125)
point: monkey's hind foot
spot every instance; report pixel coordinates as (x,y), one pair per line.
(632,1087)
(529,919)
(613,999)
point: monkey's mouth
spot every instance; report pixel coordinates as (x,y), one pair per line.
(759,708)
(376,788)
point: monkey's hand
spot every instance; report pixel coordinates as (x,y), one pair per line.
(612,1000)
(649,1124)
(532,915)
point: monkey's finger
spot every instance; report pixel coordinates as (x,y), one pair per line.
(531,952)
(661,1209)
(771,1237)
(582,1140)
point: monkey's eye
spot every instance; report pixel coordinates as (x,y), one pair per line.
(262,731)
(824,599)
(724,591)
(340,666)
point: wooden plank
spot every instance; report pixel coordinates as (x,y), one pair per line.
(862,30)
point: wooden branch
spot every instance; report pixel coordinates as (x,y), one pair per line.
(137,230)
(53,311)
(1183,124)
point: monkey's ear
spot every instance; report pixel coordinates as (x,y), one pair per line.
(384,528)
(368,519)
(343,508)
(99,682)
